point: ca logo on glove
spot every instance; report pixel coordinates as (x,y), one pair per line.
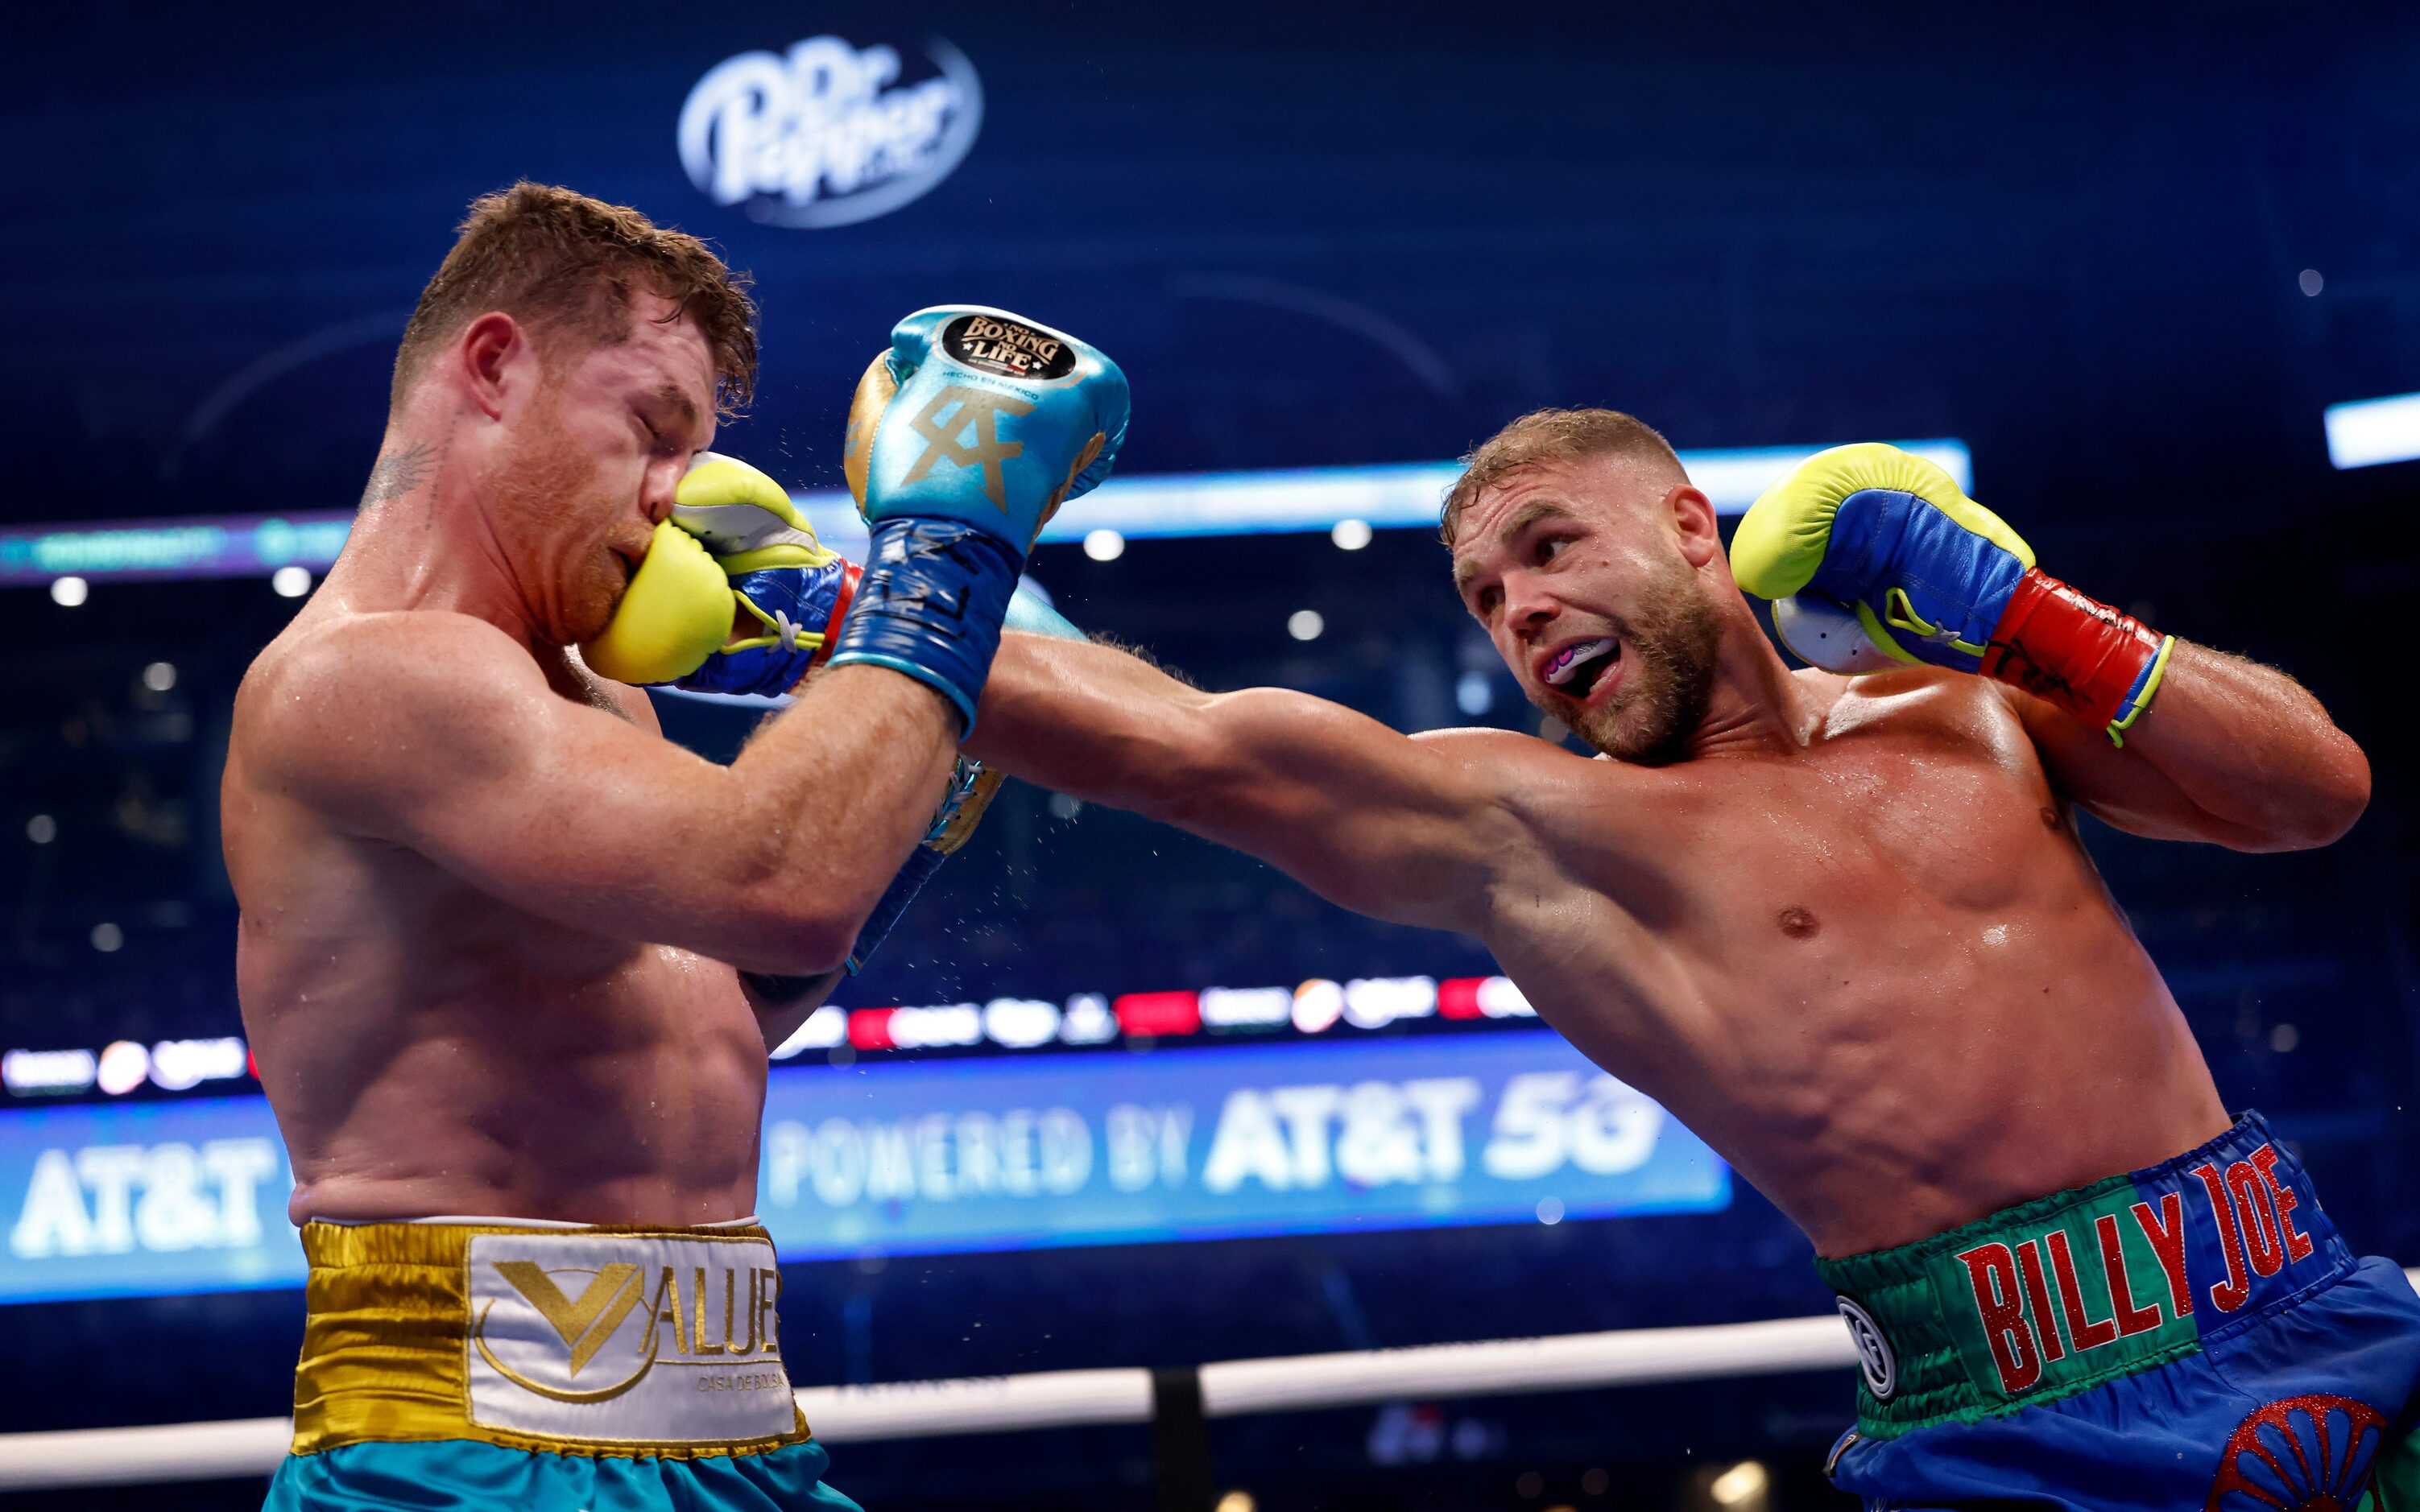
(976,411)
(827,134)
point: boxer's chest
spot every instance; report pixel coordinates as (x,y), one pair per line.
(1938,796)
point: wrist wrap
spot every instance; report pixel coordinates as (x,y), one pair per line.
(929,604)
(2078,653)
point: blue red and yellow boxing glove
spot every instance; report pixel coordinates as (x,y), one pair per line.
(793,587)
(1874,558)
(967,434)
(735,550)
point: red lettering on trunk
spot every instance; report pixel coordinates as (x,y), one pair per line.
(2088,1333)
(2230,1294)
(2168,1242)
(1992,1270)
(2038,1297)
(2298,1244)
(2131,1318)
(2260,1245)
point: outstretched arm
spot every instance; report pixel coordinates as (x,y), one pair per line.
(438,735)
(1412,829)
(2233,752)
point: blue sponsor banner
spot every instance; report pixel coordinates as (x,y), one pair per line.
(940,1156)
(143,1199)
(1504,1127)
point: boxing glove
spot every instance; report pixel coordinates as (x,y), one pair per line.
(963,436)
(1874,557)
(735,550)
(781,576)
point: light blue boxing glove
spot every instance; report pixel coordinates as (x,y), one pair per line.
(971,787)
(964,437)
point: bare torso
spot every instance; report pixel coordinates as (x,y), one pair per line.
(1879,974)
(430,1050)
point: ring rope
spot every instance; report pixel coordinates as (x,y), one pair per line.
(1061,1398)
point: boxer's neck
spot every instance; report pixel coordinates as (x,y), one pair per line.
(1757,705)
(425,538)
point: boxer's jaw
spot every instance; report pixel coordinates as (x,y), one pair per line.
(589,462)
(1669,664)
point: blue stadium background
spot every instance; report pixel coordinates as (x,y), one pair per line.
(2073,237)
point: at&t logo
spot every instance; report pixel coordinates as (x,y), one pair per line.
(827,134)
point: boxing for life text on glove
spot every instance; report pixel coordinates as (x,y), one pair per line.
(1874,557)
(966,435)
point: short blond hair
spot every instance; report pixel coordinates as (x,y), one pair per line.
(1551,435)
(557,260)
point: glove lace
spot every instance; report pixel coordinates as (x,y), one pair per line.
(793,635)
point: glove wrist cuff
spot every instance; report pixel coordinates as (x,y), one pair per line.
(843,594)
(929,604)
(2071,650)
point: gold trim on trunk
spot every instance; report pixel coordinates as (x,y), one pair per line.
(388,1335)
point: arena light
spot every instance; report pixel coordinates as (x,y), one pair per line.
(2367,433)
(36,1072)
(1343,503)
(235,546)
(1004,1023)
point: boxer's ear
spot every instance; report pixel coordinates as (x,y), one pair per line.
(1694,522)
(492,353)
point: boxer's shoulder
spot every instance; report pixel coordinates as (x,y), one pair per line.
(346,696)
(1558,797)
(1513,765)
(1920,702)
(320,652)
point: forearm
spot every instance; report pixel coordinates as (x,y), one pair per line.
(1365,816)
(1096,723)
(837,790)
(2252,747)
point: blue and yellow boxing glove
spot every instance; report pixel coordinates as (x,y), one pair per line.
(971,787)
(964,436)
(1874,558)
(676,613)
(736,552)
(794,587)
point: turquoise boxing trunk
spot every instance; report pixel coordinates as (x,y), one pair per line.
(2193,1335)
(463,1474)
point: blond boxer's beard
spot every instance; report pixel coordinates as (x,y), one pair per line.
(1669,648)
(548,499)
